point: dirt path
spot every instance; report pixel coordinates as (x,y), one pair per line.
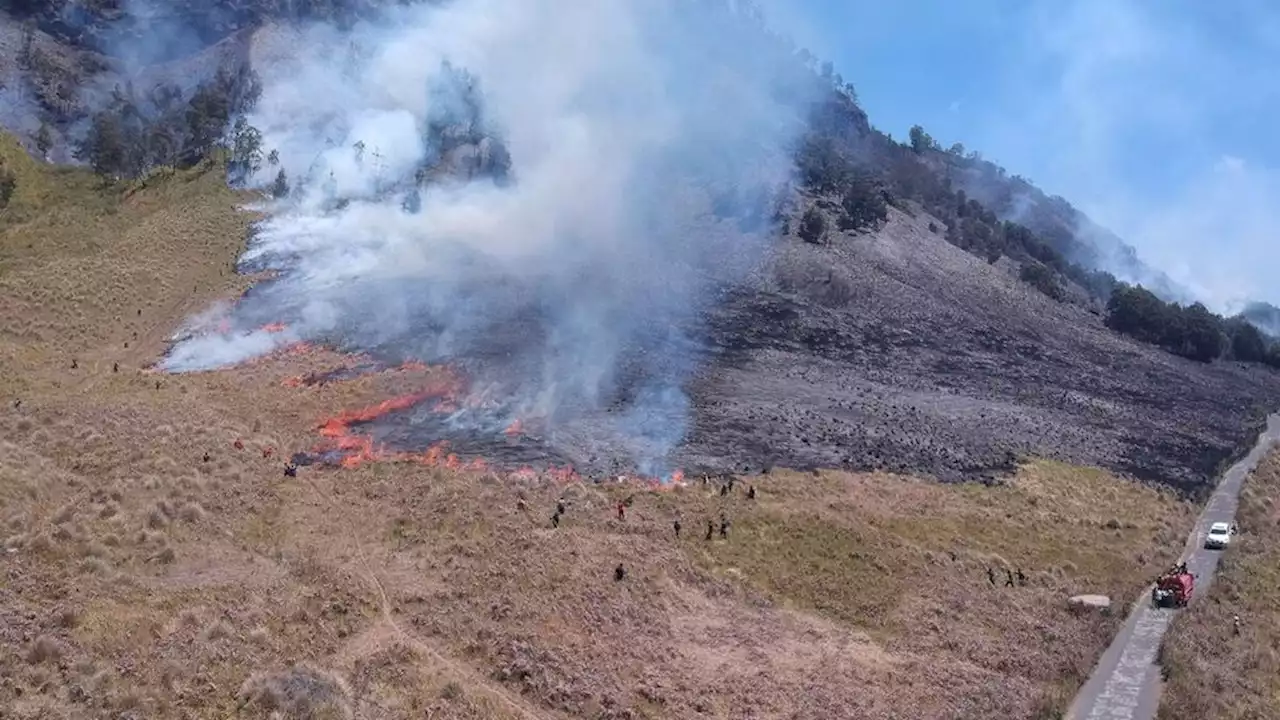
(1125,685)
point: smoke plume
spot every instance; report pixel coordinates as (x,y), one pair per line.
(545,195)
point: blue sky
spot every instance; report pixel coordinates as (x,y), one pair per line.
(1159,118)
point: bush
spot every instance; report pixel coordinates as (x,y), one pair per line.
(813,226)
(864,204)
(8,184)
(1043,279)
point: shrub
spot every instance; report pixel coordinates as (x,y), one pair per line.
(813,226)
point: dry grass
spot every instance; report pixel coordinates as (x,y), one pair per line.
(1212,671)
(141,579)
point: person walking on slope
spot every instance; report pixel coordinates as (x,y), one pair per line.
(1009,575)
(622,511)
(675,525)
(711,529)
(991,577)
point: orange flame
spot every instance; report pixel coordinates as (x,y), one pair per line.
(274,327)
(515,428)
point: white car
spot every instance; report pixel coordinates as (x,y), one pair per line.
(1219,536)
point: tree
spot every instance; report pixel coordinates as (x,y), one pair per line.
(280,186)
(1202,334)
(44,140)
(921,140)
(246,151)
(813,226)
(864,205)
(103,146)
(1247,343)
(273,158)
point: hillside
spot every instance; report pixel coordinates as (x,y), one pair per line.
(289,417)
(157,569)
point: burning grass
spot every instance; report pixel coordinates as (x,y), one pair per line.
(1211,670)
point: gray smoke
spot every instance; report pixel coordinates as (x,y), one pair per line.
(548,193)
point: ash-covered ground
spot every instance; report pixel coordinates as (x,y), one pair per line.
(899,351)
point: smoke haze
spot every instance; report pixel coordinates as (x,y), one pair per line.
(645,139)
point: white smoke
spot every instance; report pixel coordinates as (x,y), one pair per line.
(644,137)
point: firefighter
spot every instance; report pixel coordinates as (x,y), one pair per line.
(991,576)
(74,364)
(1235,624)
(711,529)
(1009,577)
(675,525)
(157,384)
(238,444)
(619,573)
(290,470)
(724,489)
(724,527)
(555,520)
(1022,579)
(751,492)
(622,511)
(115,366)
(560,507)
(207,457)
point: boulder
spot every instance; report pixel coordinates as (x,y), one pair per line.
(1099,602)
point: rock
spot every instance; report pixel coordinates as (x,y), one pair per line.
(1099,602)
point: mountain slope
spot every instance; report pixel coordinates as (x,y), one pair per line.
(160,564)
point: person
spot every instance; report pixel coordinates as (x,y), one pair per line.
(724,527)
(1235,623)
(74,364)
(619,572)
(991,576)
(238,444)
(1022,579)
(711,529)
(115,367)
(157,384)
(724,489)
(290,470)
(751,492)
(622,511)
(675,525)
(1008,577)
(555,520)
(560,507)
(206,457)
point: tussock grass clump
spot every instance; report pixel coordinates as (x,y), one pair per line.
(304,692)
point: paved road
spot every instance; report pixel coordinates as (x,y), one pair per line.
(1125,685)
